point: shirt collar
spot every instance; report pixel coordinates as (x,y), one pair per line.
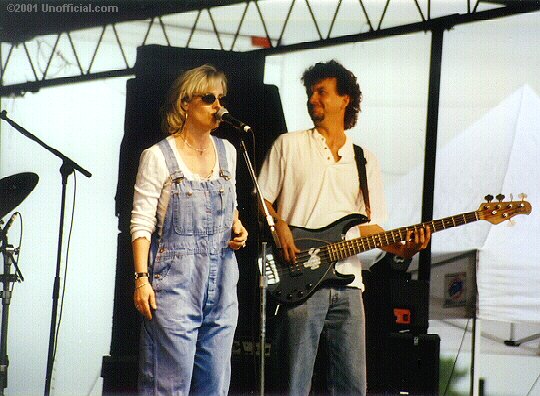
(346,151)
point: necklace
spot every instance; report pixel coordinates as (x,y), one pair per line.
(200,150)
(209,175)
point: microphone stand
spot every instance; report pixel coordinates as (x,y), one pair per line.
(67,168)
(7,277)
(263,284)
(263,281)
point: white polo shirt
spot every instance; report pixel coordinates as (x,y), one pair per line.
(310,189)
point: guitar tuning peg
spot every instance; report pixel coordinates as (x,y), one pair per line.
(511,197)
(500,197)
(522,196)
(511,223)
(488,198)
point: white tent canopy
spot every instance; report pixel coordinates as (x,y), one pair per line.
(498,153)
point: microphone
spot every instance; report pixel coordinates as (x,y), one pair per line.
(4,231)
(224,115)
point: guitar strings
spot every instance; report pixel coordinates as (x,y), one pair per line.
(304,256)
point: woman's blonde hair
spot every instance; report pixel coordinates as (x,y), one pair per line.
(189,83)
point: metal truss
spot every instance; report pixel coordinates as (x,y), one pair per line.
(255,25)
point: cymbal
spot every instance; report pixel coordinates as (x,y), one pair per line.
(14,189)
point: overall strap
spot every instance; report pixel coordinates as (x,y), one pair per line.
(222,158)
(170,160)
(362,176)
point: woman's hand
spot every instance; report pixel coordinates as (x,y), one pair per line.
(240,235)
(144,297)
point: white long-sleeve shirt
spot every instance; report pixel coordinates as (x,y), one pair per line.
(153,187)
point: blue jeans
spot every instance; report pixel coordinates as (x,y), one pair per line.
(186,347)
(331,315)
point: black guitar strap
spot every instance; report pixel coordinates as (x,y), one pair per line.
(362,176)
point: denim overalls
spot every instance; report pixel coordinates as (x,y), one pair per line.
(186,347)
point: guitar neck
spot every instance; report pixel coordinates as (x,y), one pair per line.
(341,250)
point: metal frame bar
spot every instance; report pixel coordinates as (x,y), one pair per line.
(445,22)
(425,23)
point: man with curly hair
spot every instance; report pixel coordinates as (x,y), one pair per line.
(310,179)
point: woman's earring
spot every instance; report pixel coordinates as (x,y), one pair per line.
(184,123)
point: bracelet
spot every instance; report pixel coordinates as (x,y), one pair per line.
(141,285)
(141,275)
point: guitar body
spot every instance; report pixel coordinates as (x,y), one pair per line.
(292,284)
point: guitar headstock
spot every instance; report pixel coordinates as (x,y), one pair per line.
(497,212)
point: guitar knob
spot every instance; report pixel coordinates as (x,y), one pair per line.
(289,296)
(488,198)
(500,197)
(309,286)
(300,294)
(278,293)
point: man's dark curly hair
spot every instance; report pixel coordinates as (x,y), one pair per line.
(345,82)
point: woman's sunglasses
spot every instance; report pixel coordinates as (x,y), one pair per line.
(210,98)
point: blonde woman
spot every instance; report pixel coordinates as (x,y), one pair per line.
(184,229)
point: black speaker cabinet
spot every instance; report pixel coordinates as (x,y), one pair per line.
(396,305)
(411,366)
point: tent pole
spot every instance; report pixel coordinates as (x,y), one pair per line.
(424,268)
(475,351)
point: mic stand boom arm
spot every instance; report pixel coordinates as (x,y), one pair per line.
(66,160)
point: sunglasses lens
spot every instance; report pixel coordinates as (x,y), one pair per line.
(211,98)
(208,98)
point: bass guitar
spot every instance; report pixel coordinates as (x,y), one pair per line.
(321,248)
